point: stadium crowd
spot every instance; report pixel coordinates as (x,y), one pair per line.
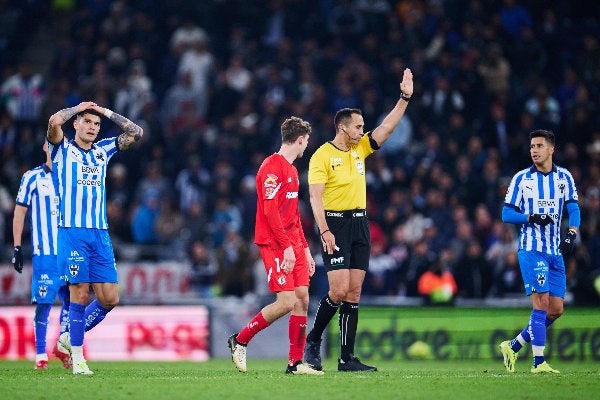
(211,81)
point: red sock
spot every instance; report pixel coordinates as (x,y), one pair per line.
(297,333)
(257,324)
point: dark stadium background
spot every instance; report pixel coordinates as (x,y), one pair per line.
(486,73)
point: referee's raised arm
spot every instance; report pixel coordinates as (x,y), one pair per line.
(387,126)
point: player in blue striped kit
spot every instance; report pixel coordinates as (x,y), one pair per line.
(37,193)
(85,249)
(536,199)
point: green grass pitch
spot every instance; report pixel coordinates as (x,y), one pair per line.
(218,379)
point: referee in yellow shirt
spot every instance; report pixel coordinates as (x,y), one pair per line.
(338,196)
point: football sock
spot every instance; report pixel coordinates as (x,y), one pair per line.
(297,334)
(348,322)
(326,311)
(524,337)
(40,321)
(538,335)
(77,323)
(63,295)
(94,314)
(257,324)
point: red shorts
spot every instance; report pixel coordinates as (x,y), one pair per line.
(278,280)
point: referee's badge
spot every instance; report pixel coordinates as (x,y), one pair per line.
(360,167)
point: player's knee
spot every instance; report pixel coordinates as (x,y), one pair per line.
(337,295)
(353,295)
(301,303)
(555,314)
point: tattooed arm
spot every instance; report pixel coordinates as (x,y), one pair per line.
(55,133)
(131,132)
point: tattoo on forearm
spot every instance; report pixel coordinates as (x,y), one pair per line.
(66,114)
(131,131)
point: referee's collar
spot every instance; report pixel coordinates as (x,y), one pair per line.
(533,169)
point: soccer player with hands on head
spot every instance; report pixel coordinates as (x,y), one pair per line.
(283,249)
(536,199)
(338,197)
(85,251)
(38,194)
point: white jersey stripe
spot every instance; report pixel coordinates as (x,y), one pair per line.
(533,192)
(81,175)
(38,193)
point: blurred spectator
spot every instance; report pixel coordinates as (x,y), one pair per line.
(203,270)
(131,98)
(143,220)
(168,223)
(437,285)
(473,273)
(23,95)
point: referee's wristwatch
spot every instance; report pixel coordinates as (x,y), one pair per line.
(405,97)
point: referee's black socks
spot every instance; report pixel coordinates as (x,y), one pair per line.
(325,313)
(348,322)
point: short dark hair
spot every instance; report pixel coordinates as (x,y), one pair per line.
(548,135)
(294,127)
(344,115)
(89,111)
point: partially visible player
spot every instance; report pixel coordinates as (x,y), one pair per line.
(85,250)
(283,248)
(536,199)
(37,193)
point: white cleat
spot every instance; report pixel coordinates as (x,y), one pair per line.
(81,368)
(238,353)
(302,369)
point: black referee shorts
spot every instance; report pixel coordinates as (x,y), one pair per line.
(352,239)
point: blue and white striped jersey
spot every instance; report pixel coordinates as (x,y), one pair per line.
(81,178)
(533,192)
(38,193)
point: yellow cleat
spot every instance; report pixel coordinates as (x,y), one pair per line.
(509,355)
(544,367)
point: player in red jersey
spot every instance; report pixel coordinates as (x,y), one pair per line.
(283,248)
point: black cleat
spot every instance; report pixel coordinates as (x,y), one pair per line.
(354,365)
(312,354)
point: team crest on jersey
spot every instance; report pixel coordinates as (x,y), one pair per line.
(270,184)
(541,278)
(43,290)
(73,269)
(281,280)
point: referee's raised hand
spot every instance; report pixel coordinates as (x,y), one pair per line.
(328,241)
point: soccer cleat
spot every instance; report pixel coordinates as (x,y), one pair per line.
(81,368)
(42,364)
(354,365)
(509,355)
(63,355)
(544,368)
(312,354)
(302,369)
(64,340)
(238,353)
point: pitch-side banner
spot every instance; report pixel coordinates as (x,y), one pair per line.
(139,283)
(134,333)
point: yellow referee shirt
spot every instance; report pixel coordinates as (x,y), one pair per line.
(343,173)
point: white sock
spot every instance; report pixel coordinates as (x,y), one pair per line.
(40,357)
(77,354)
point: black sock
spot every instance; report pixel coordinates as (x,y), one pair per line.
(348,322)
(325,312)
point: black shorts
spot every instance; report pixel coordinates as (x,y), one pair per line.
(352,239)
